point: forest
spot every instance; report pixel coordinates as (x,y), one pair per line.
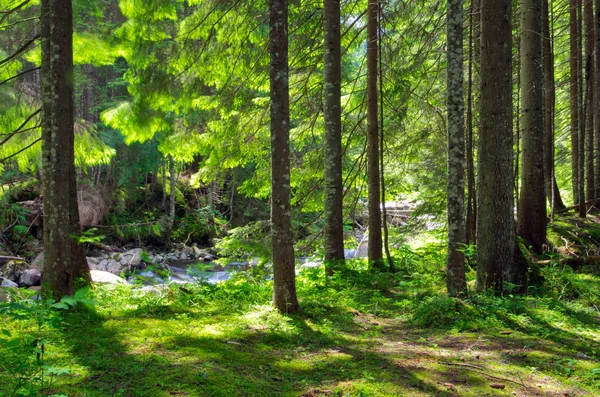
(299,198)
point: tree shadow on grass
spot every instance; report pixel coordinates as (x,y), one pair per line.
(259,363)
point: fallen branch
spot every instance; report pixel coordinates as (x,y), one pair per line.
(480,370)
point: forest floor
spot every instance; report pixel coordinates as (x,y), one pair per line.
(358,334)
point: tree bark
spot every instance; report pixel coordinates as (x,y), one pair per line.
(284,281)
(64,258)
(552,191)
(574,98)
(589,99)
(597,99)
(455,262)
(334,222)
(171,219)
(496,240)
(580,113)
(532,211)
(375,240)
(470,232)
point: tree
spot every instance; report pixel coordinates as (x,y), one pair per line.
(597,97)
(495,220)
(284,281)
(64,259)
(374,200)
(334,227)
(552,191)
(455,263)
(574,98)
(532,210)
(589,99)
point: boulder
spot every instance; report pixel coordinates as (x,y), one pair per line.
(12,269)
(208,258)
(30,278)
(38,261)
(102,277)
(6,283)
(131,258)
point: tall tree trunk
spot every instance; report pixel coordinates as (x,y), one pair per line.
(375,240)
(334,222)
(580,113)
(171,219)
(64,258)
(574,97)
(532,211)
(471,193)
(455,263)
(386,235)
(589,99)
(552,191)
(496,240)
(597,98)
(284,277)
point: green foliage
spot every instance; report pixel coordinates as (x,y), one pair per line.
(25,355)
(252,240)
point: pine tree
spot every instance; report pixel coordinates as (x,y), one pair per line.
(284,282)
(532,210)
(495,220)
(455,279)
(64,259)
(334,227)
(374,204)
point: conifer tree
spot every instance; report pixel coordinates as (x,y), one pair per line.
(64,259)
(284,282)
(532,210)
(334,228)
(455,278)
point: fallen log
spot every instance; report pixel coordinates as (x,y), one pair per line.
(575,263)
(4,259)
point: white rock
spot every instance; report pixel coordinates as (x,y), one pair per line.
(102,277)
(7,283)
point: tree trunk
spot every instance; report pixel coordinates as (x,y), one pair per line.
(284,281)
(589,99)
(455,263)
(574,98)
(64,258)
(470,232)
(532,211)
(171,219)
(552,191)
(597,99)
(375,240)
(334,222)
(496,240)
(580,113)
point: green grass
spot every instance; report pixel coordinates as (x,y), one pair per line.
(357,335)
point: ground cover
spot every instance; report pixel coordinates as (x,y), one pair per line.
(357,335)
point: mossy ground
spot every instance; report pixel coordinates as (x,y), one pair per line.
(358,334)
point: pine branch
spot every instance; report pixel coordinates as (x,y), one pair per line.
(21,50)
(16,76)
(20,151)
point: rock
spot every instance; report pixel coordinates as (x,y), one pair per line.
(158,259)
(131,258)
(106,265)
(197,252)
(93,262)
(310,265)
(13,269)
(208,258)
(30,278)
(38,261)
(102,277)
(183,256)
(4,282)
